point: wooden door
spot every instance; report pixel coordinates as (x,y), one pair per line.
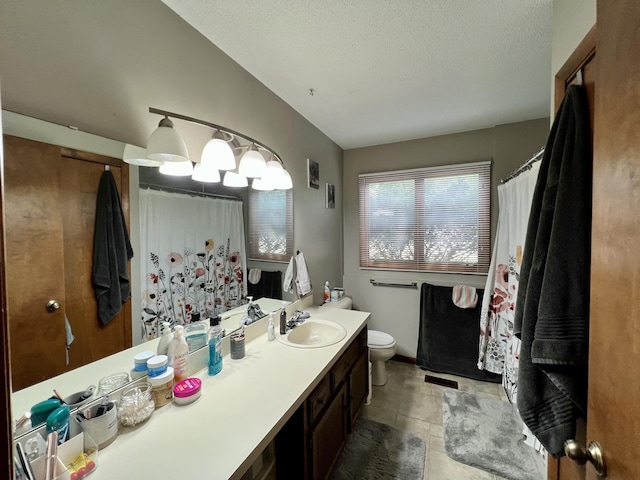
(358,387)
(614,347)
(34,261)
(50,203)
(614,355)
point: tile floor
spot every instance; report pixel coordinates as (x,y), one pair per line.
(407,402)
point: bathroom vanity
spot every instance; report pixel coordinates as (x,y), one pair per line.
(297,404)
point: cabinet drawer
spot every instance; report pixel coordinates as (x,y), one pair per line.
(318,399)
(343,365)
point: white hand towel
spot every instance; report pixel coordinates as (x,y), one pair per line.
(287,283)
(303,281)
(254,275)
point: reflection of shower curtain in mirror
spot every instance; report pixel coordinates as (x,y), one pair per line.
(192,258)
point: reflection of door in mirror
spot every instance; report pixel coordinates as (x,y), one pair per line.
(50,205)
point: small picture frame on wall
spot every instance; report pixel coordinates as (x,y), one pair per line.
(313,174)
(330,195)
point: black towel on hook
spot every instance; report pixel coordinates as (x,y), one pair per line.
(111,251)
(552,310)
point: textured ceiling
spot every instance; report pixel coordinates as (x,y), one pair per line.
(385,71)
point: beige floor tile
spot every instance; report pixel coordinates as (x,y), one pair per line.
(436,443)
(380,414)
(415,403)
(437,430)
(441,467)
(418,427)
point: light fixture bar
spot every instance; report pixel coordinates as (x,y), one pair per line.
(216,127)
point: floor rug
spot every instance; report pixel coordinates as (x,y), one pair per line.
(376,451)
(486,433)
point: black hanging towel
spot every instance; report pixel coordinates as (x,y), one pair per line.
(552,310)
(111,251)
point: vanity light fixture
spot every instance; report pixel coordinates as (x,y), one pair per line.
(165,145)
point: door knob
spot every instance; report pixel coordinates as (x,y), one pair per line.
(52,306)
(593,453)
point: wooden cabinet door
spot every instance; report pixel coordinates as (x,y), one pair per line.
(50,203)
(358,387)
(329,436)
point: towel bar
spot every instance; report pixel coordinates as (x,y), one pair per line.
(396,285)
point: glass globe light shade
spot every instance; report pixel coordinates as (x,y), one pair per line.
(233,179)
(203,173)
(262,185)
(177,169)
(252,163)
(218,154)
(166,145)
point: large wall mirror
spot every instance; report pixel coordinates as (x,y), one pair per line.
(51,178)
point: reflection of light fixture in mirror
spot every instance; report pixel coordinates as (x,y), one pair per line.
(217,152)
(177,169)
(284,182)
(166,145)
(206,174)
(233,179)
(138,156)
(252,163)
(262,185)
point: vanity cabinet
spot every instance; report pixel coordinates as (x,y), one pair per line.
(310,444)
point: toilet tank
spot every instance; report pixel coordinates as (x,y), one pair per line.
(344,303)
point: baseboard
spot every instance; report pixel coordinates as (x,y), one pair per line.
(404,359)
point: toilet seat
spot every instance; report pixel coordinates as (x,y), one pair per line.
(376,339)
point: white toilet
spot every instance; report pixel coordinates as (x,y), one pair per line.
(382,347)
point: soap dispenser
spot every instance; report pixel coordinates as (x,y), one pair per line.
(271,329)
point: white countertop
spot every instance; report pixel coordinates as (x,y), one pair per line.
(238,414)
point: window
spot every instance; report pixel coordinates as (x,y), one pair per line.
(271,225)
(427,219)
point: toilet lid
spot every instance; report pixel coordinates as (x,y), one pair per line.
(379,339)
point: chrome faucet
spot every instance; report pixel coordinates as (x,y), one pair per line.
(298,318)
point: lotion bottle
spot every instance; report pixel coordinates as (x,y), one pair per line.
(327,292)
(178,353)
(165,339)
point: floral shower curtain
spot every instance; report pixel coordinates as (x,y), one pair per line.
(192,258)
(499,349)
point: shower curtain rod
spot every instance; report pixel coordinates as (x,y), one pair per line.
(164,188)
(524,167)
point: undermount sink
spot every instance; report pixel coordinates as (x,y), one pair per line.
(314,333)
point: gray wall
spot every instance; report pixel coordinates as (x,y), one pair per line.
(100,65)
(396,310)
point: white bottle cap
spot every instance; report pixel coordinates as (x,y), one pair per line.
(178,331)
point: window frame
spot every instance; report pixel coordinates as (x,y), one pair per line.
(418,175)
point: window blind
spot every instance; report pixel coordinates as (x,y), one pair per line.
(427,219)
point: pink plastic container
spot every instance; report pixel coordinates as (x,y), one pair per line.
(187,391)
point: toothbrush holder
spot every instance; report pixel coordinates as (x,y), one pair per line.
(236,341)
